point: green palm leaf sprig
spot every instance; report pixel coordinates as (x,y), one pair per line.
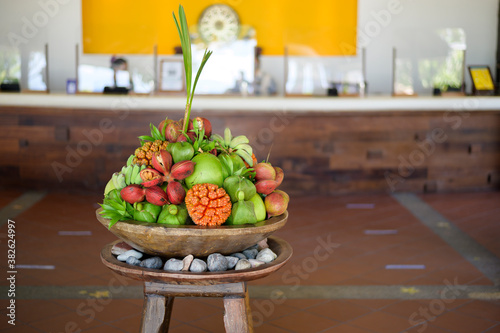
(183,30)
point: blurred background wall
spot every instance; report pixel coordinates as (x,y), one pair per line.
(376,31)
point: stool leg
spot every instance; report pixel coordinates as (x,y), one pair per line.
(156,313)
(237,315)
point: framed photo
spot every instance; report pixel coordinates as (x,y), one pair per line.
(482,81)
(172,75)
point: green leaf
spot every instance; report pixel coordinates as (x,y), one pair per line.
(182,29)
(146,137)
(206,56)
(112,223)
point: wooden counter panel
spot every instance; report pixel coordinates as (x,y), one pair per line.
(333,153)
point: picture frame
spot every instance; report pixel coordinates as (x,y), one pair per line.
(172,76)
(482,81)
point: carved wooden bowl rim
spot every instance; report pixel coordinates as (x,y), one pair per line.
(272,224)
(281,247)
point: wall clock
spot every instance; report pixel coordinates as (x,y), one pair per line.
(218,23)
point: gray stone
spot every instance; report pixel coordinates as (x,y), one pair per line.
(251,253)
(216,262)
(243,264)
(231,262)
(152,263)
(187,262)
(198,266)
(266,255)
(173,265)
(255,263)
(133,261)
(238,255)
(133,253)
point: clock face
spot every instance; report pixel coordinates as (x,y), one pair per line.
(218,23)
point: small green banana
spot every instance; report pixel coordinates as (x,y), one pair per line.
(109,186)
(115,179)
(120,180)
(245,147)
(247,157)
(135,172)
(137,179)
(239,140)
(218,138)
(128,173)
(130,159)
(227,136)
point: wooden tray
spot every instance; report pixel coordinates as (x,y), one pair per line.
(278,245)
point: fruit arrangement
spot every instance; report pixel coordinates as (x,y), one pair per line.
(182,173)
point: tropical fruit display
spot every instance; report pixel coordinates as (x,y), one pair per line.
(182,173)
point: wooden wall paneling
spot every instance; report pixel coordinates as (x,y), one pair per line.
(320,153)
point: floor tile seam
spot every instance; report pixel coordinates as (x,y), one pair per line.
(479,278)
(277,326)
(27,200)
(311,306)
(461,313)
(33,327)
(194,326)
(54,302)
(103,325)
(122,318)
(293,311)
(22,322)
(62,314)
(344,321)
(460,241)
(383,268)
(428,321)
(189,323)
(472,315)
(490,329)
(375,252)
(438,270)
(349,324)
(361,327)
(481,213)
(336,322)
(201,300)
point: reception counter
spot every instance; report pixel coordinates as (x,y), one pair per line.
(264,104)
(325,145)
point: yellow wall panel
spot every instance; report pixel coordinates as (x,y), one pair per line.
(134,27)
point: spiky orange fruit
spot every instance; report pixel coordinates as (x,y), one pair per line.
(144,154)
(208,204)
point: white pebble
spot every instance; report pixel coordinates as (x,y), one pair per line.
(130,253)
(266,255)
(255,262)
(243,264)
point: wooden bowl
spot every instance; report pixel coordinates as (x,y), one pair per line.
(181,240)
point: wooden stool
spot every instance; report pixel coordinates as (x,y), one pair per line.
(161,287)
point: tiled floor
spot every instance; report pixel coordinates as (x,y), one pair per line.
(364,239)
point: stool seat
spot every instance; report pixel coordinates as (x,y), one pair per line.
(161,287)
